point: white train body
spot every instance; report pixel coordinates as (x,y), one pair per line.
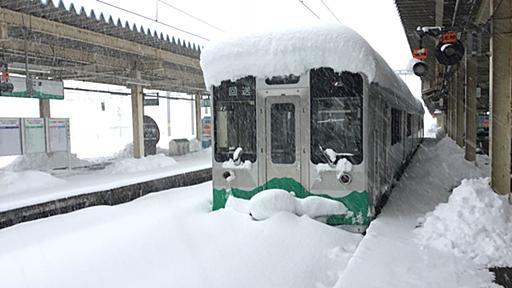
(339,130)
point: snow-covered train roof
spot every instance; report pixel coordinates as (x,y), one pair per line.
(294,51)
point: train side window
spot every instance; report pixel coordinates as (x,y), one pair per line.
(234,105)
(396,126)
(282,130)
(409,124)
(336,115)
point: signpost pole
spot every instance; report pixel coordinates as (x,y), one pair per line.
(198,116)
(44,108)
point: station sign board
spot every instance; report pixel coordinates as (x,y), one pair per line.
(205,102)
(151,102)
(34,137)
(10,136)
(41,89)
(449,37)
(58,135)
(420,54)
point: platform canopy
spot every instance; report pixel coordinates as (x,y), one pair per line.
(454,15)
(60,42)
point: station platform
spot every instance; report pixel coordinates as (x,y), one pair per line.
(172,238)
(65,184)
(389,252)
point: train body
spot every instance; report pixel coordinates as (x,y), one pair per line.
(341,131)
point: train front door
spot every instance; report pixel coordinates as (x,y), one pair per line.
(283,141)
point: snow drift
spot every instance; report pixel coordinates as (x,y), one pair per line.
(476,223)
(270,202)
(147,163)
(16,182)
(44,162)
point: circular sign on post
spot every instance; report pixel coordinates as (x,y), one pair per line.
(151,136)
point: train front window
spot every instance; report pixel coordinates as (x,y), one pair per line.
(336,115)
(282,130)
(235,119)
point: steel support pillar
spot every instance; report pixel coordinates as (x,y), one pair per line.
(4,31)
(448,111)
(453,106)
(198,116)
(470,107)
(500,95)
(44,108)
(459,137)
(442,118)
(138,119)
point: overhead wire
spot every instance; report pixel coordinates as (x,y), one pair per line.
(332,13)
(150,19)
(190,15)
(309,9)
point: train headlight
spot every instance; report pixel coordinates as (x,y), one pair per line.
(345,178)
(229,176)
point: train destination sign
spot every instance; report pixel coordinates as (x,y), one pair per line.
(41,89)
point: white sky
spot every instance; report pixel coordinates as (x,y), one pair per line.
(376,20)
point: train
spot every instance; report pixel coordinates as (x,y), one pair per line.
(311,110)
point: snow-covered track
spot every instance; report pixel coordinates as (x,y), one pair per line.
(105,197)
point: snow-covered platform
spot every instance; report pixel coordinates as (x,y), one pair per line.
(172,239)
(30,187)
(390,254)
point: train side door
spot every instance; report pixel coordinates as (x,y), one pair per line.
(283,138)
(383,163)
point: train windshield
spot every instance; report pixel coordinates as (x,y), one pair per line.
(234,104)
(336,116)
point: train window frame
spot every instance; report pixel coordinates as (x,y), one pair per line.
(409,124)
(283,80)
(396,126)
(236,100)
(343,91)
(283,144)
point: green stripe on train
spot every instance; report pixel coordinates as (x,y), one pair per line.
(357,202)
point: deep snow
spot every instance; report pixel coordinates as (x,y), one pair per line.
(171,239)
(475,223)
(390,253)
(33,187)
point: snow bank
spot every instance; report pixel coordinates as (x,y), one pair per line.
(171,239)
(127,152)
(390,249)
(147,163)
(293,51)
(44,162)
(316,206)
(270,202)
(476,223)
(16,182)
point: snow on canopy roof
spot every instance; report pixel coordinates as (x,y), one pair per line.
(296,50)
